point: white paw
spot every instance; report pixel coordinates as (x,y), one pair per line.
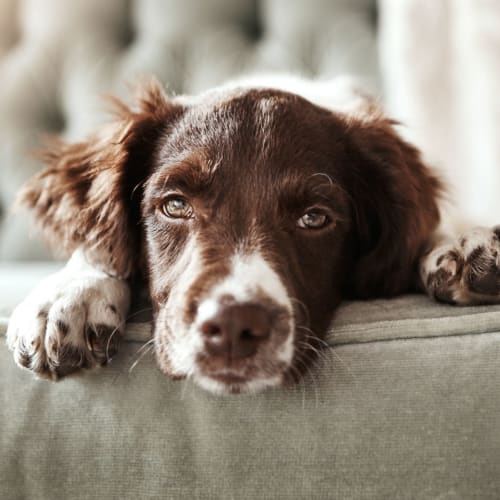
(467,270)
(72,320)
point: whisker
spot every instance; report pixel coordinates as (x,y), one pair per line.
(187,382)
(303,307)
(137,186)
(346,366)
(322,354)
(121,324)
(108,343)
(143,346)
(306,329)
(299,381)
(306,364)
(146,351)
(324,174)
(135,313)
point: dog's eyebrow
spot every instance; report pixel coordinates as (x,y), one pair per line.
(320,185)
(302,192)
(189,177)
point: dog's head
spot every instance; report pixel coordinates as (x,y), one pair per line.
(252,212)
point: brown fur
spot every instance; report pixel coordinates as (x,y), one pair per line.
(394,196)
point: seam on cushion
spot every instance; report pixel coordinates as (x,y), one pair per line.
(423,337)
(469,311)
(416,328)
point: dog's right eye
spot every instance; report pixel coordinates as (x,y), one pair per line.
(176,207)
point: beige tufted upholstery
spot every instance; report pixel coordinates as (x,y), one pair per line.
(57,57)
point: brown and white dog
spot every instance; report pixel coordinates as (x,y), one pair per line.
(252,210)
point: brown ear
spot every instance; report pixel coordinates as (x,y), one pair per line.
(88,197)
(395,210)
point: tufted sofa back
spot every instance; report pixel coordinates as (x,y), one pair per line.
(58,58)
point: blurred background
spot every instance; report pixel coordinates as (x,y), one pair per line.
(434,63)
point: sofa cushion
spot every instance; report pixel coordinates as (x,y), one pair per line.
(408,418)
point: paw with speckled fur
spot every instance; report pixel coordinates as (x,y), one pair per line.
(465,271)
(72,320)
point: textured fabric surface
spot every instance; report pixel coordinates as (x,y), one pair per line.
(403,404)
(407,419)
(57,59)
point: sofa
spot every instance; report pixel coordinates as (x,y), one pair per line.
(403,404)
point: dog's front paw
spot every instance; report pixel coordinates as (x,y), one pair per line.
(466,271)
(72,320)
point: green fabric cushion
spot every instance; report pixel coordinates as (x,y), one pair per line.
(405,404)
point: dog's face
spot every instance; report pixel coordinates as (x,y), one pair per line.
(240,211)
(252,212)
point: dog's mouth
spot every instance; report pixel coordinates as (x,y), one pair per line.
(225,382)
(232,382)
(225,375)
(229,378)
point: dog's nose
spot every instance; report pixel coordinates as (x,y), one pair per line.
(236,330)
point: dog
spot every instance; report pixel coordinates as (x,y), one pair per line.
(251,210)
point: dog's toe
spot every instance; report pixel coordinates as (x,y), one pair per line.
(481,273)
(102,341)
(485,281)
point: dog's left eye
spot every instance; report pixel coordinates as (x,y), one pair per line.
(177,207)
(313,219)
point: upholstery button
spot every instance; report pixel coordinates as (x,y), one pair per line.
(127,33)
(11,32)
(55,121)
(374,15)
(252,25)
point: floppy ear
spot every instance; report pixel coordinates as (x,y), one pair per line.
(394,197)
(88,195)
